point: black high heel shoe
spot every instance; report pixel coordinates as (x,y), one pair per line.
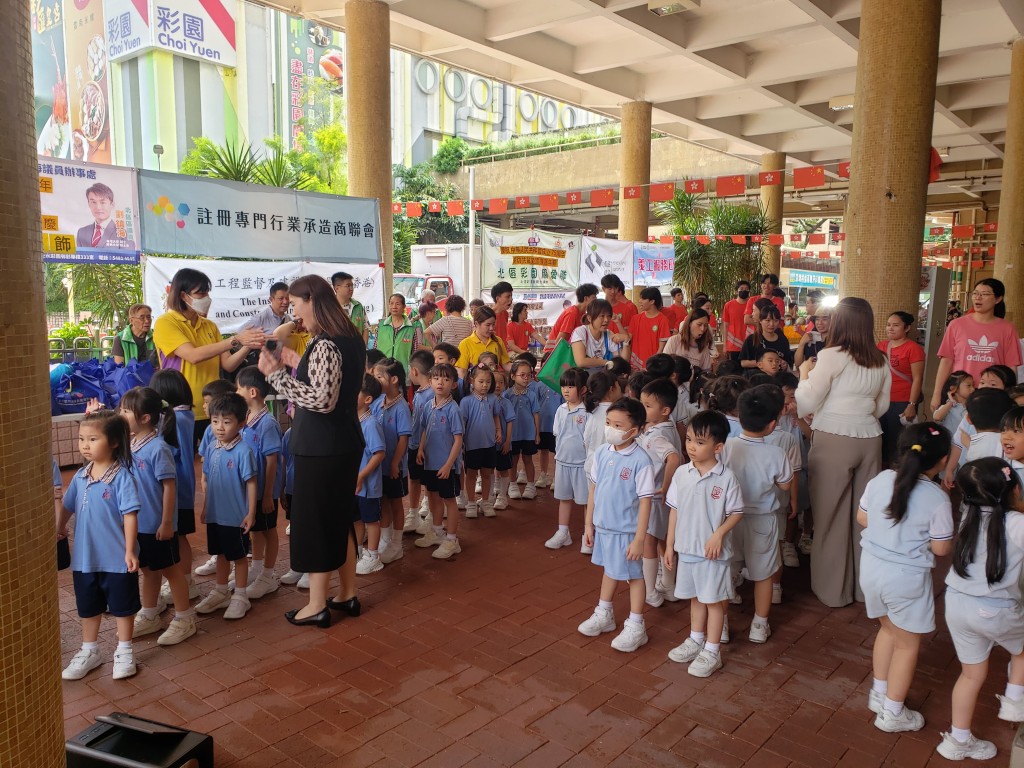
(322,619)
(351,606)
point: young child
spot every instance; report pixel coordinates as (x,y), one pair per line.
(798,532)
(958,388)
(503,460)
(618,512)
(174,388)
(907,521)
(602,391)
(570,424)
(760,468)
(417,513)
(997,377)
(373,356)
(104,561)
(549,401)
(290,576)
(661,442)
(439,453)
(395,418)
(1016,393)
(445,353)
(965,430)
(724,396)
(155,479)
(636,382)
(230,471)
(481,419)
(983,599)
(768,361)
(705,504)
(263,434)
(787,506)
(985,411)
(526,431)
(1012,436)
(369,485)
(211,390)
(489,360)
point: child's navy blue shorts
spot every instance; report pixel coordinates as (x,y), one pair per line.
(524,447)
(186,522)
(547,441)
(264,522)
(415,468)
(227,541)
(446,488)
(503,463)
(369,509)
(99,591)
(482,458)
(157,555)
(395,489)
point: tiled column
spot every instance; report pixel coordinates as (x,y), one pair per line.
(1010,237)
(892,126)
(635,170)
(368,101)
(771,201)
(32,726)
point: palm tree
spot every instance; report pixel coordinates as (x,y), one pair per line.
(106,290)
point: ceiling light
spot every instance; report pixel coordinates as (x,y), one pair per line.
(840,103)
(660,8)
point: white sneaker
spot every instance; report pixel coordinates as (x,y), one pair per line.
(429,539)
(705,665)
(479,487)
(424,504)
(82,664)
(521,477)
(266,583)
(687,652)
(907,720)
(177,631)
(237,607)
(288,530)
(290,577)
(501,502)
(559,540)
(425,526)
(736,599)
(530,492)
(543,481)
(632,636)
(393,551)
(124,664)
(303,582)
(974,748)
(655,599)
(759,633)
(487,509)
(461,501)
(145,626)
(208,568)
(513,491)
(875,701)
(412,521)
(447,548)
(603,620)
(472,510)
(214,601)
(790,558)
(725,630)
(804,545)
(584,549)
(1011,709)
(368,563)
(776,594)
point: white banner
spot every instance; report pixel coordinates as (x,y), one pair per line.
(543,309)
(241,289)
(601,256)
(531,260)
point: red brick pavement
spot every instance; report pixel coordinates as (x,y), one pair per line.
(477,662)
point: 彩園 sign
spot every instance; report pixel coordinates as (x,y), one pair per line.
(198,29)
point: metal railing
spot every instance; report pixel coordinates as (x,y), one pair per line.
(82,348)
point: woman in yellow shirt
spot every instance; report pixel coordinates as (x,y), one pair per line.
(481,340)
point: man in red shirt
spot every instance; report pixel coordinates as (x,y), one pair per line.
(501,293)
(676,311)
(623,310)
(736,328)
(571,317)
(769,283)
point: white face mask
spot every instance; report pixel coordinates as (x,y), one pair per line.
(615,436)
(200,305)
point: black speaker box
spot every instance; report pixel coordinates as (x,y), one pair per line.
(119,739)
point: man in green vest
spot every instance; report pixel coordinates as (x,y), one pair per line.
(344,288)
(135,342)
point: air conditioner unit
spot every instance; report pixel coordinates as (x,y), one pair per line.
(667,9)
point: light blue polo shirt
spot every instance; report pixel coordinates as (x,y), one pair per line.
(478,420)
(184,459)
(929,516)
(569,428)
(228,468)
(549,402)
(421,400)
(262,433)
(702,503)
(101,506)
(507,419)
(373,439)
(153,463)
(621,479)
(206,439)
(758,466)
(57,481)
(526,405)
(395,420)
(976,582)
(440,425)
(660,441)
(735,430)
(792,446)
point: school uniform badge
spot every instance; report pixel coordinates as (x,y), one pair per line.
(625,473)
(716,492)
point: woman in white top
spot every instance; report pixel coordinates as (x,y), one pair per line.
(593,345)
(846,391)
(694,340)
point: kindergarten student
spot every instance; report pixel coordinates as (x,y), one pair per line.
(549,402)
(290,576)
(570,486)
(787,508)
(230,469)
(705,504)
(481,418)
(724,396)
(602,390)
(526,431)
(392,411)
(958,388)
(417,513)
(768,361)
(983,600)
(155,479)
(907,521)
(369,485)
(985,411)
(1012,434)
(104,561)
(503,460)
(993,377)
(211,390)
(618,512)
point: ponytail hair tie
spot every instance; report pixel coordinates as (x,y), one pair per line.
(916,447)
(164,404)
(1007,472)
(933,431)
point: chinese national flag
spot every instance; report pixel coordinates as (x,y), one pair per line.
(498,205)
(992,251)
(840,254)
(396,209)
(838,237)
(726,186)
(991,226)
(667,239)
(770,178)
(662,192)
(975,251)
(956,252)
(695,186)
(844,170)
(824,255)
(413,210)
(720,238)
(476,205)
(704,239)
(523,201)
(455,207)
(573,198)
(776,239)
(977,264)
(739,239)
(600,198)
(549,202)
(687,238)
(963,231)
(817,238)
(806,178)
(433,206)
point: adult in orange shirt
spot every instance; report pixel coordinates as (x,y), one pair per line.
(733,317)
(649,329)
(676,311)
(623,310)
(571,317)
(769,282)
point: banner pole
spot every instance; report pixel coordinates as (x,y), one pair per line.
(472,278)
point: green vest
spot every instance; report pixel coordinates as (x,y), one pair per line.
(131,349)
(397,342)
(358,316)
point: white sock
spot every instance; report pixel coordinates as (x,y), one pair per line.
(148,613)
(124,645)
(502,486)
(879,686)
(650,569)
(90,646)
(563,529)
(760,619)
(220,587)
(893,707)
(439,531)
(452,537)
(256,567)
(637,617)
(963,735)
(605,605)
(374,552)
(711,648)
(668,579)
(697,637)
(189,614)
(1014,692)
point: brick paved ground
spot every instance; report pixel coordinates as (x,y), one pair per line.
(477,662)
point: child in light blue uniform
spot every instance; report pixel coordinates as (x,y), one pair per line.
(63,549)
(550,401)
(503,445)
(104,561)
(392,411)
(724,397)
(481,417)
(569,428)
(907,520)
(290,576)
(370,486)
(983,600)
(526,430)
(417,515)
(618,511)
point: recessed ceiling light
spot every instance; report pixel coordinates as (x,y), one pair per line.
(660,8)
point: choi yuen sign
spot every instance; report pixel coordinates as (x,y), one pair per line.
(198,29)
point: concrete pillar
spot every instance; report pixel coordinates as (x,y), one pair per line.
(892,127)
(1010,237)
(635,169)
(32,726)
(368,101)
(771,201)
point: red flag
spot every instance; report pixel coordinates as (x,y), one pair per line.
(651,239)
(757,238)
(739,239)
(963,231)
(695,186)
(796,238)
(687,238)
(838,237)
(573,198)
(844,170)
(396,208)
(977,264)
(818,238)
(704,239)
(720,238)
(975,251)
(498,205)
(992,251)
(991,226)
(934,166)
(726,186)
(523,201)
(631,193)
(600,198)
(776,239)
(413,210)
(455,207)
(549,202)
(476,205)
(840,254)
(806,178)
(433,206)
(662,192)
(956,252)
(667,239)
(824,254)
(936,231)
(770,178)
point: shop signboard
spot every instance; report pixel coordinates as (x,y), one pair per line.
(88,81)
(803,278)
(52,112)
(653,264)
(312,60)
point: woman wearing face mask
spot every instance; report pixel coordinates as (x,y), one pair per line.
(188,342)
(736,330)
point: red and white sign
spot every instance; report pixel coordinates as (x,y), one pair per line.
(197,29)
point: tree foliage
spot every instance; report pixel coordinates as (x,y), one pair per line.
(449,156)
(418,184)
(105,290)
